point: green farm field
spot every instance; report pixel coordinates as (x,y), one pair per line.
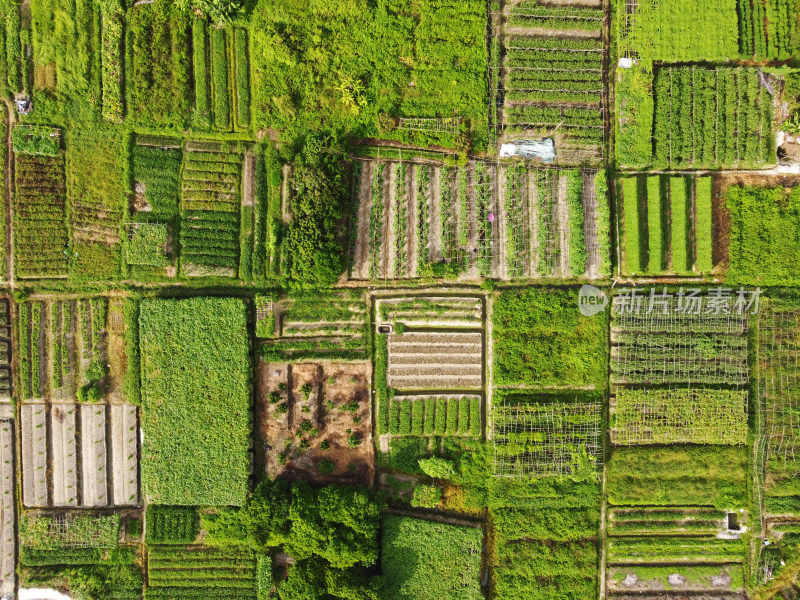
(400,300)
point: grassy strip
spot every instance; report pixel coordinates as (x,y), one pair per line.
(654,231)
(703,226)
(628,190)
(242,78)
(679,190)
(219,69)
(200,69)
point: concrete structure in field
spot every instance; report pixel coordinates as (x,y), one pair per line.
(94,490)
(64,448)
(125,454)
(34,455)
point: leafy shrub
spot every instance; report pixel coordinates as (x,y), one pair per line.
(326,466)
(36,139)
(426,496)
(147,245)
(172,524)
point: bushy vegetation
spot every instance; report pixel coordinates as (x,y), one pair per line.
(425,560)
(678,475)
(541,339)
(195,401)
(764,235)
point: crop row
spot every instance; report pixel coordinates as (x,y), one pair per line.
(711,118)
(41,236)
(768,30)
(435,416)
(667,224)
(625,550)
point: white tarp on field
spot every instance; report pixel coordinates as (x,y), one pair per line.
(542,149)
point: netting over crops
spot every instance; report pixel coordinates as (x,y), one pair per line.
(670,344)
(541,440)
(689,415)
(779,388)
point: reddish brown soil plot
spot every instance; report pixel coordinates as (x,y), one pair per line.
(318,393)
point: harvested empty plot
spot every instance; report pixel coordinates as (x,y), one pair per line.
(34,455)
(125,454)
(435,360)
(668,416)
(7,509)
(684,578)
(670,345)
(94,482)
(424,311)
(500,220)
(64,449)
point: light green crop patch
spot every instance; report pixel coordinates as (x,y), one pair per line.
(195,401)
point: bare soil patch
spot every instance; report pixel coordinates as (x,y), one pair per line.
(319,393)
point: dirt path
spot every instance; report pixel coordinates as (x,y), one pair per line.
(361,254)
(435,212)
(286,173)
(562,228)
(438,517)
(590,207)
(9,174)
(555,33)
(249,179)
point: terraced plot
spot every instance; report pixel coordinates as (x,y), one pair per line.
(210,208)
(435,360)
(500,220)
(428,311)
(34,455)
(5,350)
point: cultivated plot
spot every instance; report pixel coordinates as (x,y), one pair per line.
(7,508)
(506,221)
(546,62)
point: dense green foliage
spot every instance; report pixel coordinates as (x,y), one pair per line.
(426,560)
(195,401)
(712,118)
(338,64)
(701,475)
(540,338)
(172,524)
(765,235)
(313,244)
